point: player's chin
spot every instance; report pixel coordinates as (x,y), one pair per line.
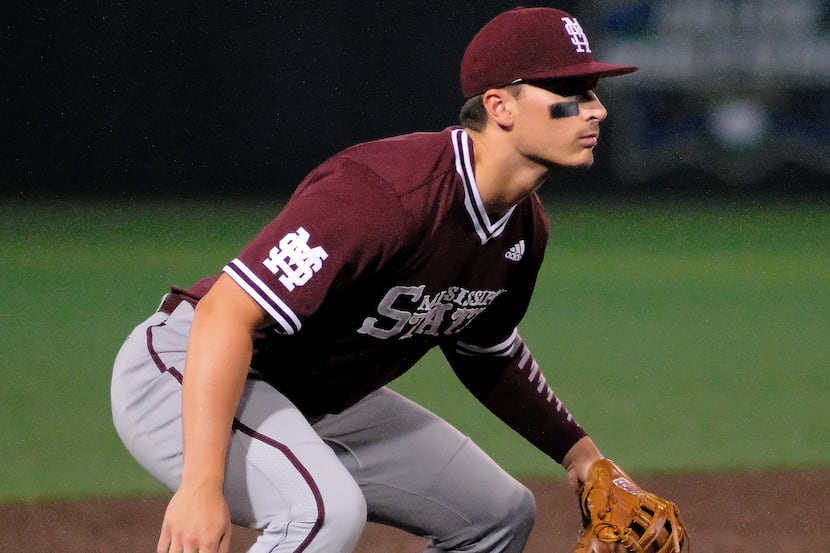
(559,168)
(580,159)
(586,164)
(583,161)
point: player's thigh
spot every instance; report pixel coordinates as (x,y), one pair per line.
(146,393)
(283,479)
(417,471)
(278,469)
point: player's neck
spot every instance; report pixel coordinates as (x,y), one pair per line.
(503,176)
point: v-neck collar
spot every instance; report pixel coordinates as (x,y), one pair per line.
(464,164)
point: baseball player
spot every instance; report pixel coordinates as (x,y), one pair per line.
(259,395)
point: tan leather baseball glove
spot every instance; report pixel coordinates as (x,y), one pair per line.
(619,517)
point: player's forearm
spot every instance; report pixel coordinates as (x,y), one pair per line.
(514,389)
(212,387)
(218,357)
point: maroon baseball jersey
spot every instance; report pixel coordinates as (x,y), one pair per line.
(383,252)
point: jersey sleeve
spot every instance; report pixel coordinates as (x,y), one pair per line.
(342,222)
(508,381)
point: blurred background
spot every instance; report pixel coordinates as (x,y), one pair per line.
(704,297)
(133,100)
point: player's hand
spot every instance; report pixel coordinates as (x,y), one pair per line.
(578,461)
(196,521)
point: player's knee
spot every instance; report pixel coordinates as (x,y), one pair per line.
(348,511)
(504,527)
(511,524)
(345,515)
(518,511)
(335,526)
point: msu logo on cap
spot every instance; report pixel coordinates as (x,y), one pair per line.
(578,37)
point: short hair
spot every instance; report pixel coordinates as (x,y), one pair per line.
(473,113)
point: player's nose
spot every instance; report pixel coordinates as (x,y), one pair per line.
(594,109)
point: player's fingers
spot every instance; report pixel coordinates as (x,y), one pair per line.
(225,542)
(169,543)
(164,542)
(177,545)
(194,546)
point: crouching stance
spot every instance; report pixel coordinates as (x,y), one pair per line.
(259,395)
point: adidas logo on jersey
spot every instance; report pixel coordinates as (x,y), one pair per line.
(516,251)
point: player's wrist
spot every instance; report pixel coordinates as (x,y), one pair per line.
(203,479)
(579,458)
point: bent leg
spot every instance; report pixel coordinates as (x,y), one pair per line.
(420,474)
(282,479)
(280,476)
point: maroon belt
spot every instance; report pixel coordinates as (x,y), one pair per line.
(170,303)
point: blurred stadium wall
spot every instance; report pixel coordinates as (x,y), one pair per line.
(125,100)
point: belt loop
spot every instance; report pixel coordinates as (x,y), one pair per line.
(169,303)
(164,299)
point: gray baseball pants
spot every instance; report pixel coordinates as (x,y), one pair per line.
(310,486)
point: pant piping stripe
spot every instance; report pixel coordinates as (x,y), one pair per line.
(318,498)
(157,358)
(238,425)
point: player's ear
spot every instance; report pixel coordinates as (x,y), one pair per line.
(498,102)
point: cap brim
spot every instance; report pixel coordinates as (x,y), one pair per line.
(592,69)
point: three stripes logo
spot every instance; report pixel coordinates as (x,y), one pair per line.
(516,251)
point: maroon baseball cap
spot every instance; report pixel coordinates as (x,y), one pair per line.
(530,44)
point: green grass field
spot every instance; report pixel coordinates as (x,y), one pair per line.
(684,337)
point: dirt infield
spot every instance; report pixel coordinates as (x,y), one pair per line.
(762,512)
